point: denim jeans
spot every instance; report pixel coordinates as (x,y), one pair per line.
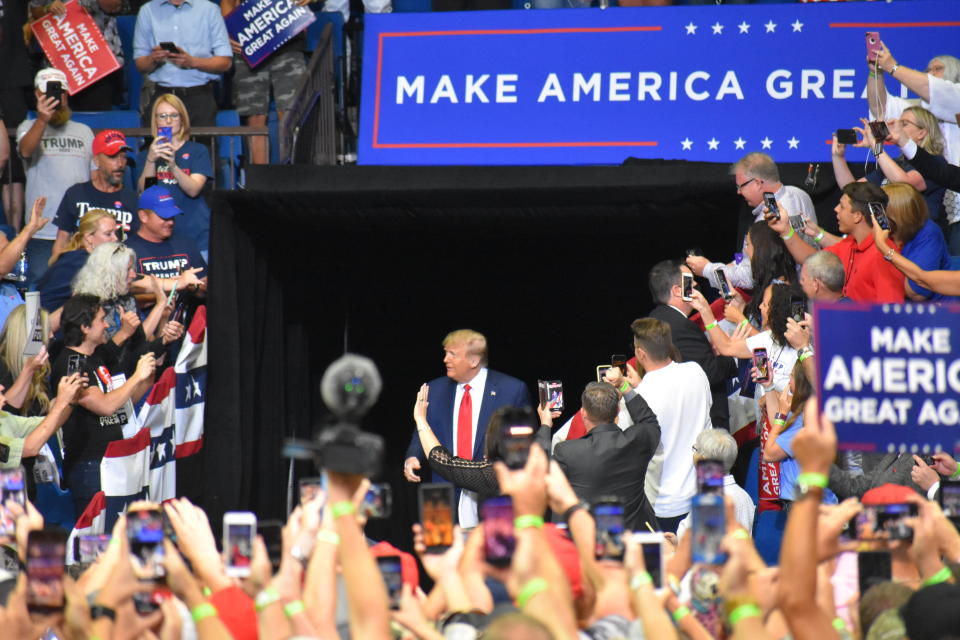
(83,479)
(38,255)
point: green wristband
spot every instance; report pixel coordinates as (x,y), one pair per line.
(293,608)
(839,624)
(266,598)
(819,238)
(940,576)
(789,235)
(525,522)
(810,479)
(203,611)
(207,592)
(330,537)
(742,322)
(956,474)
(682,612)
(625,387)
(779,422)
(342,508)
(529,590)
(640,579)
(712,325)
(747,610)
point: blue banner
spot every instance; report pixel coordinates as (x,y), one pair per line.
(592,86)
(263,26)
(889,375)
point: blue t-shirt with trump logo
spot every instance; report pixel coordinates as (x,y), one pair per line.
(169,258)
(83,197)
(192,158)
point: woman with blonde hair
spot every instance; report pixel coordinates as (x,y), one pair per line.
(920,126)
(96,227)
(179,164)
(919,239)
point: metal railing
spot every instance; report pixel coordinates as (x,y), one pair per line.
(308,130)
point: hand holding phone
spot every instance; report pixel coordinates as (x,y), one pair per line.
(879,215)
(873,45)
(608,514)
(762,364)
(499,542)
(169,47)
(686,287)
(436,516)
(846,136)
(239,533)
(54,92)
(725,289)
(770,202)
(145,535)
(46,556)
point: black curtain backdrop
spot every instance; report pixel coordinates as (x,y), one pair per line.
(549,262)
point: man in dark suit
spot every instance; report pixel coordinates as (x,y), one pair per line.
(878,469)
(461,404)
(689,340)
(608,461)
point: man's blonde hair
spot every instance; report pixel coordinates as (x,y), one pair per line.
(474,341)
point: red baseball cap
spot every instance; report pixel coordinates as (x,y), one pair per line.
(408,564)
(110,142)
(888,494)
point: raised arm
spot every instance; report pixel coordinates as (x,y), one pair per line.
(366,591)
(916,81)
(725,345)
(105,404)
(815,448)
(943,282)
(841,170)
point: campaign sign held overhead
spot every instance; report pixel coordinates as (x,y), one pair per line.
(889,375)
(590,86)
(73,44)
(263,26)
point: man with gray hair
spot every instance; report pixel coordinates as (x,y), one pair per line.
(755,174)
(718,444)
(822,277)
(608,461)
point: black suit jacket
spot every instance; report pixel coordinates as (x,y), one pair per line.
(610,462)
(694,347)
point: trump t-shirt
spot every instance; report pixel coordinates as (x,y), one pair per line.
(169,258)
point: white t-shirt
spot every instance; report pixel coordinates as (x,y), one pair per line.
(679,395)
(63,158)
(782,358)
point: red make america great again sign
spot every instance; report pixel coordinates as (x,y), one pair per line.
(74,44)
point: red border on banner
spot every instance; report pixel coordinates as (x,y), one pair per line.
(494,145)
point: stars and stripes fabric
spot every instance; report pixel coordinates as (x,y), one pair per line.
(173,410)
(90,522)
(168,425)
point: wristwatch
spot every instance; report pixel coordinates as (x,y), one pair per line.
(300,555)
(98,611)
(569,512)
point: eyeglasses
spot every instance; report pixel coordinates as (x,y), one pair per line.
(934,68)
(904,123)
(741,186)
(168,116)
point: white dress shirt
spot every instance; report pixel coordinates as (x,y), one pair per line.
(467,507)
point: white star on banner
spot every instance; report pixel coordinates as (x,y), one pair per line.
(797,25)
(713,143)
(744,27)
(686,143)
(717,28)
(766,142)
(771,26)
(793,142)
(739,142)
(691,29)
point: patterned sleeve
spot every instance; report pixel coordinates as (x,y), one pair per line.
(473,475)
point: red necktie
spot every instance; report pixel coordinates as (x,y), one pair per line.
(465,426)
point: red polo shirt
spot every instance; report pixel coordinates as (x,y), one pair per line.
(867,276)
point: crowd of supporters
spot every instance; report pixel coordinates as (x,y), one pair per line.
(118,267)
